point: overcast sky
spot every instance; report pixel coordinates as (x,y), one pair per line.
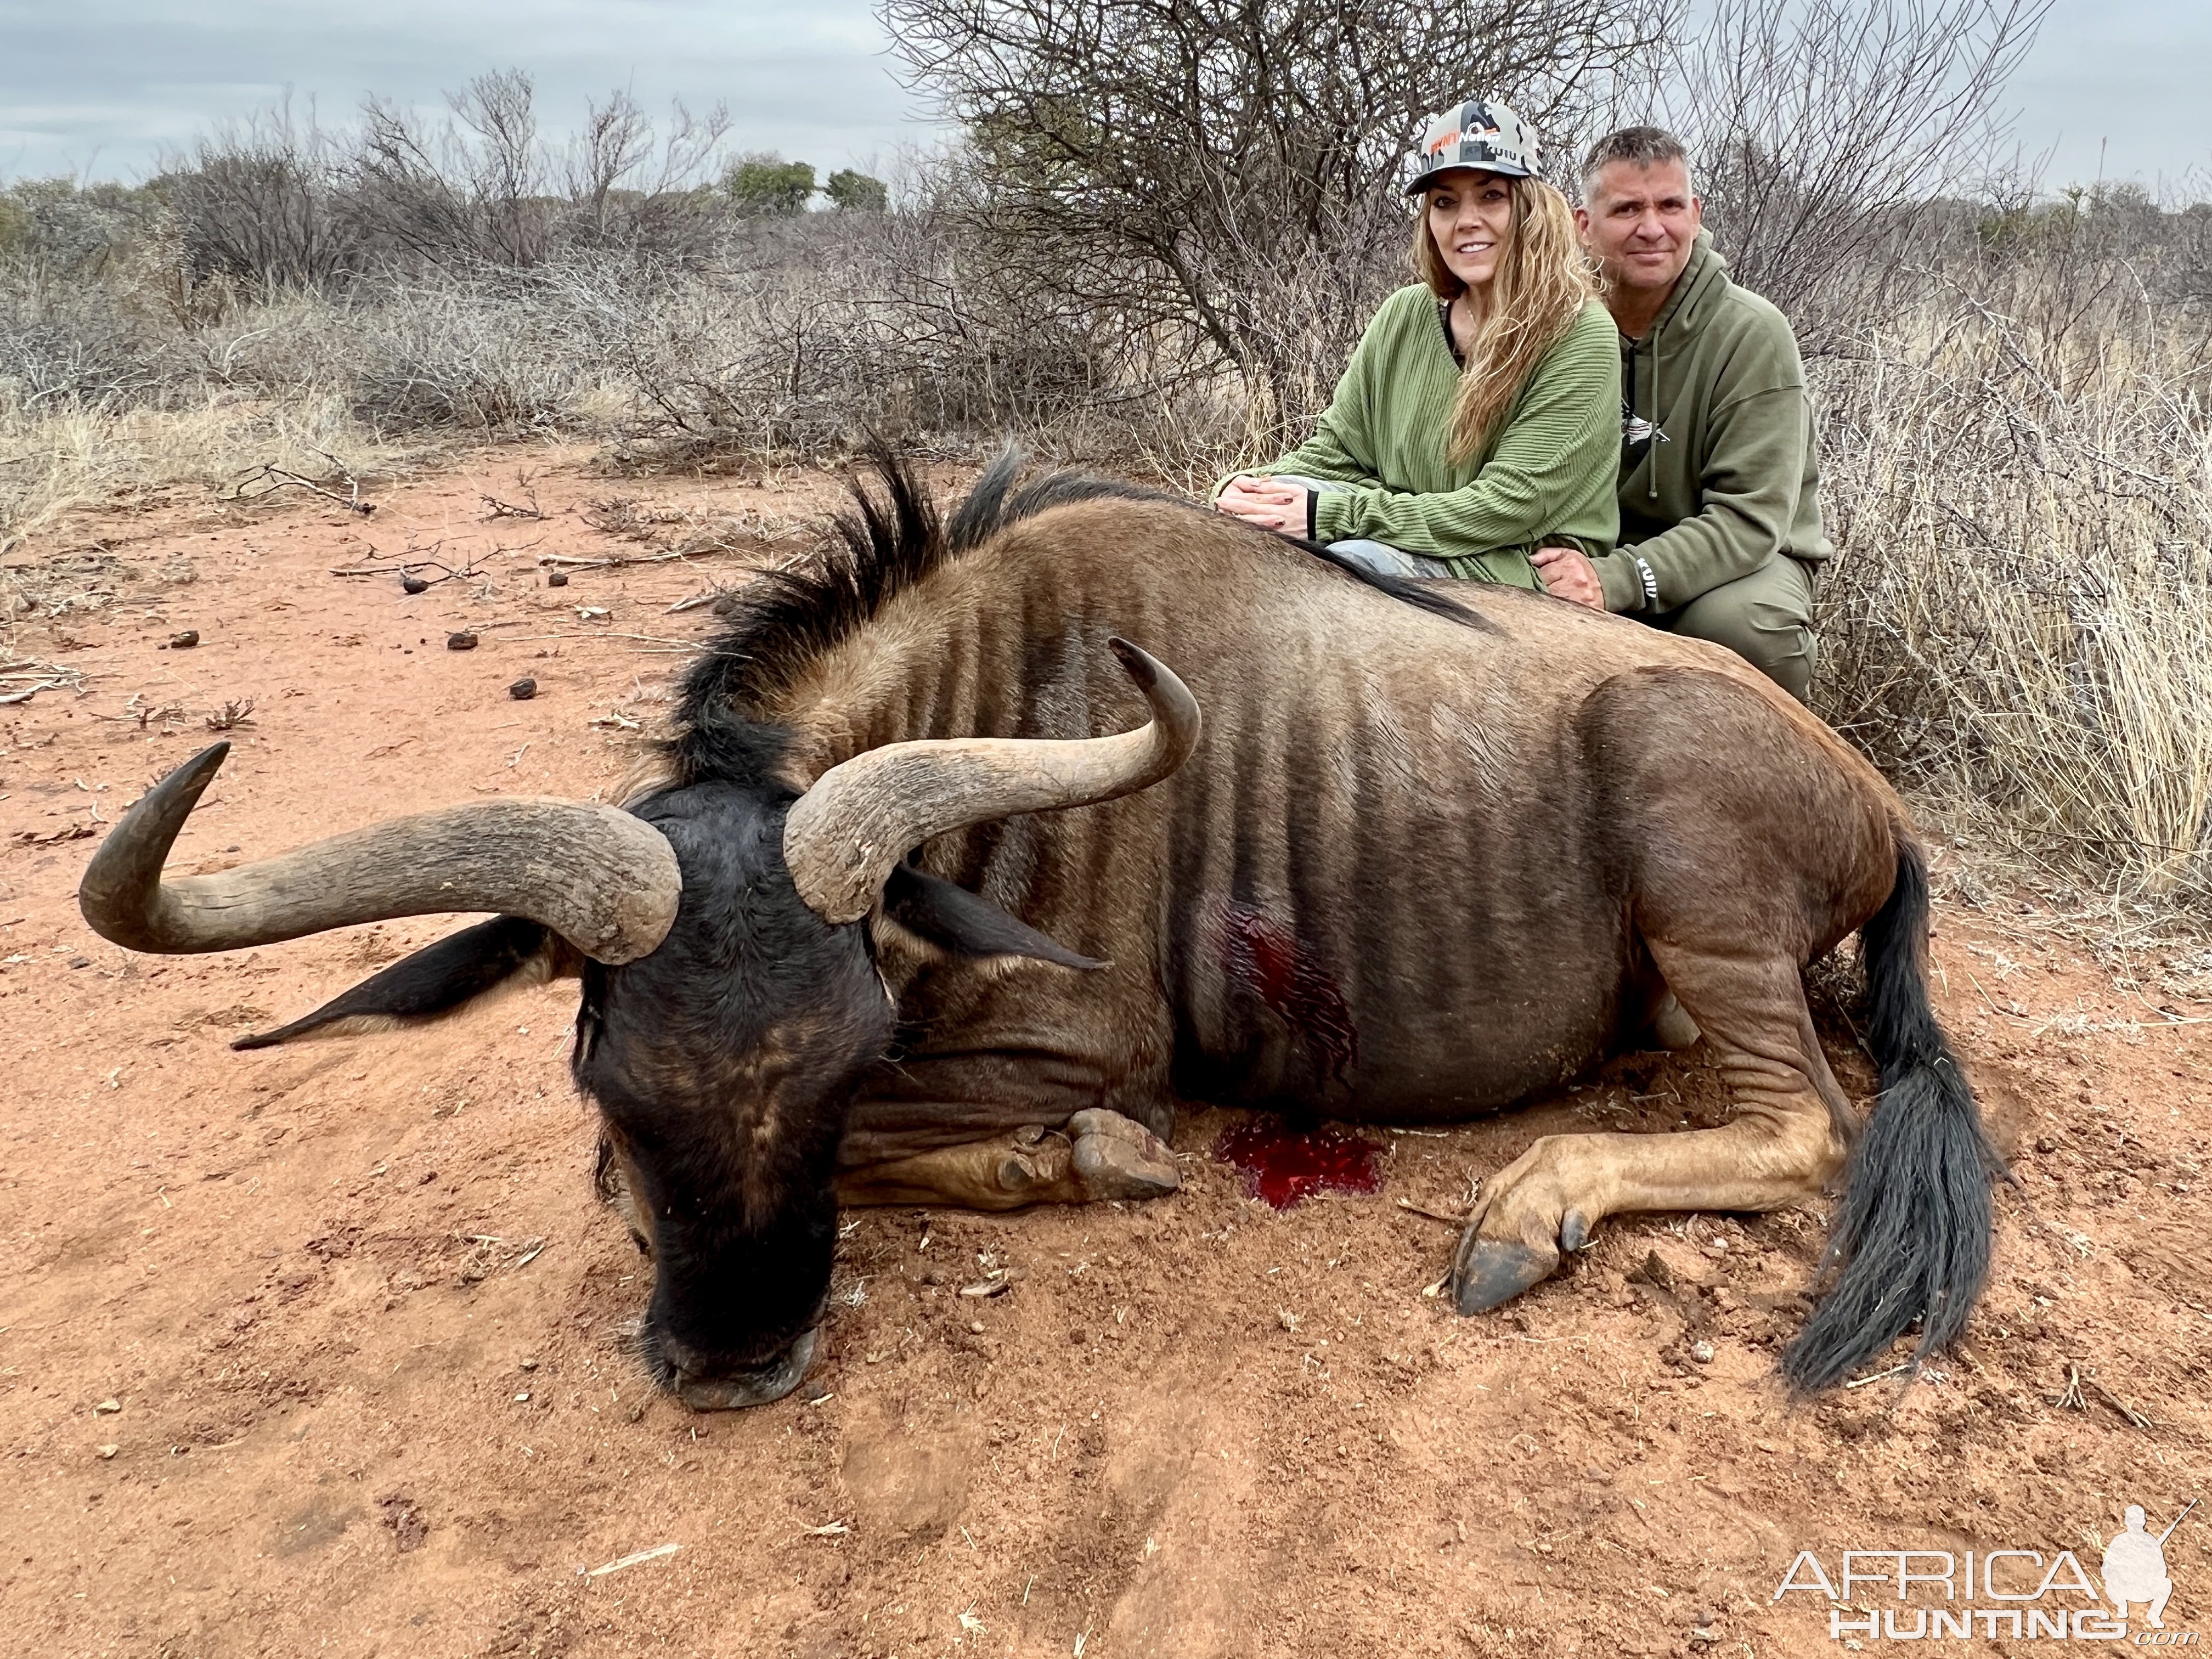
(99,87)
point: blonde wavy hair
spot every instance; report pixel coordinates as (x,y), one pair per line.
(1544,279)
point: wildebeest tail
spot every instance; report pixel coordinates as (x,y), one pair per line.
(1912,1239)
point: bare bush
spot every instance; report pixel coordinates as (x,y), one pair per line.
(1195,168)
(1820,128)
(259,204)
(281,201)
(817,328)
(491,353)
(64,338)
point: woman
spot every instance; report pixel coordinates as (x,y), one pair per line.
(1476,433)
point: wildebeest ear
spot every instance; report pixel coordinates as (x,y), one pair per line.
(950,917)
(441,977)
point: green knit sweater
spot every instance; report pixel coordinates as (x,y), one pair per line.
(1547,472)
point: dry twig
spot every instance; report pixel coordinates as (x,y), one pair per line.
(2134,1417)
(2070,1398)
(270,478)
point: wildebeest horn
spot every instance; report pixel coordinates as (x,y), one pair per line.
(604,881)
(844,835)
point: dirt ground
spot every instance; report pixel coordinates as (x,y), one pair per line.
(318,1349)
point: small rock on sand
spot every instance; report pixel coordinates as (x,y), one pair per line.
(523,690)
(463,640)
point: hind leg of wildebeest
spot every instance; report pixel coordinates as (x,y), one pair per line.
(1784,1141)
(1099,1155)
(1732,898)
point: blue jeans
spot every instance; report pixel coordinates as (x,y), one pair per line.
(1378,558)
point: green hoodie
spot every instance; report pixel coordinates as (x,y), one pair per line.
(1732,479)
(1546,473)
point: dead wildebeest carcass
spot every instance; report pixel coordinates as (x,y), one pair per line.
(1429,855)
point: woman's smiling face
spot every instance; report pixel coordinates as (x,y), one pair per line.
(1471,216)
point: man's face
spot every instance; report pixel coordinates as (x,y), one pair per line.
(1640,222)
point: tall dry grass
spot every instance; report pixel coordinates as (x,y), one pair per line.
(69,457)
(2018,620)
(2017,447)
(107,399)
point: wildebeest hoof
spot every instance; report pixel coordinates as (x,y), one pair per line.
(1492,1271)
(1671,1026)
(1099,1120)
(758,1387)
(1117,1158)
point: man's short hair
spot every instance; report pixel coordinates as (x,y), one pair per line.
(1643,146)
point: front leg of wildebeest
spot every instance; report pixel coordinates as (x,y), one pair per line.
(1099,1155)
(1021,1085)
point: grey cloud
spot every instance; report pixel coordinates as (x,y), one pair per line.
(106,86)
(110,83)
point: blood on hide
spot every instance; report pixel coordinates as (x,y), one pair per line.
(1260,954)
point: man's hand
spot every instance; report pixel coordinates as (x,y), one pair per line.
(1267,502)
(1567,574)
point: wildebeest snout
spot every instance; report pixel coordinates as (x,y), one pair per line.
(756,1385)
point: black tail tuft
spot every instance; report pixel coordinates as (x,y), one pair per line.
(1912,1238)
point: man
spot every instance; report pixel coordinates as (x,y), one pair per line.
(1719,531)
(2134,1568)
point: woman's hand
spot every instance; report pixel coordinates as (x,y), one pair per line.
(1267,502)
(1568,575)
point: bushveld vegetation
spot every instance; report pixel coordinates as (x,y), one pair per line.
(1160,266)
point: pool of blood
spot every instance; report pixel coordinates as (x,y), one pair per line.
(1282,1165)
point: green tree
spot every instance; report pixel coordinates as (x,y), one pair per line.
(767,186)
(856,193)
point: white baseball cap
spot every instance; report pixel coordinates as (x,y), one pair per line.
(1479,133)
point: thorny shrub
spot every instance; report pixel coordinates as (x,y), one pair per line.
(2016,391)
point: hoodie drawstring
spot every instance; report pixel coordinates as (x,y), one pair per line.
(1652,471)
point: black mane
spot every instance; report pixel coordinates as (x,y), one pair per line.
(882,545)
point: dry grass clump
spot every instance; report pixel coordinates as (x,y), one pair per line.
(64,455)
(2019,616)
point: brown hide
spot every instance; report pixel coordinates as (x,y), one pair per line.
(1412,872)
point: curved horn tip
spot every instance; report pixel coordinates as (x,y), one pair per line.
(195,773)
(1141,666)
(1163,689)
(125,870)
(172,800)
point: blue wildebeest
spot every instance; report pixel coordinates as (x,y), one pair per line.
(1429,855)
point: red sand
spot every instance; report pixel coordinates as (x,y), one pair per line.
(349,1318)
